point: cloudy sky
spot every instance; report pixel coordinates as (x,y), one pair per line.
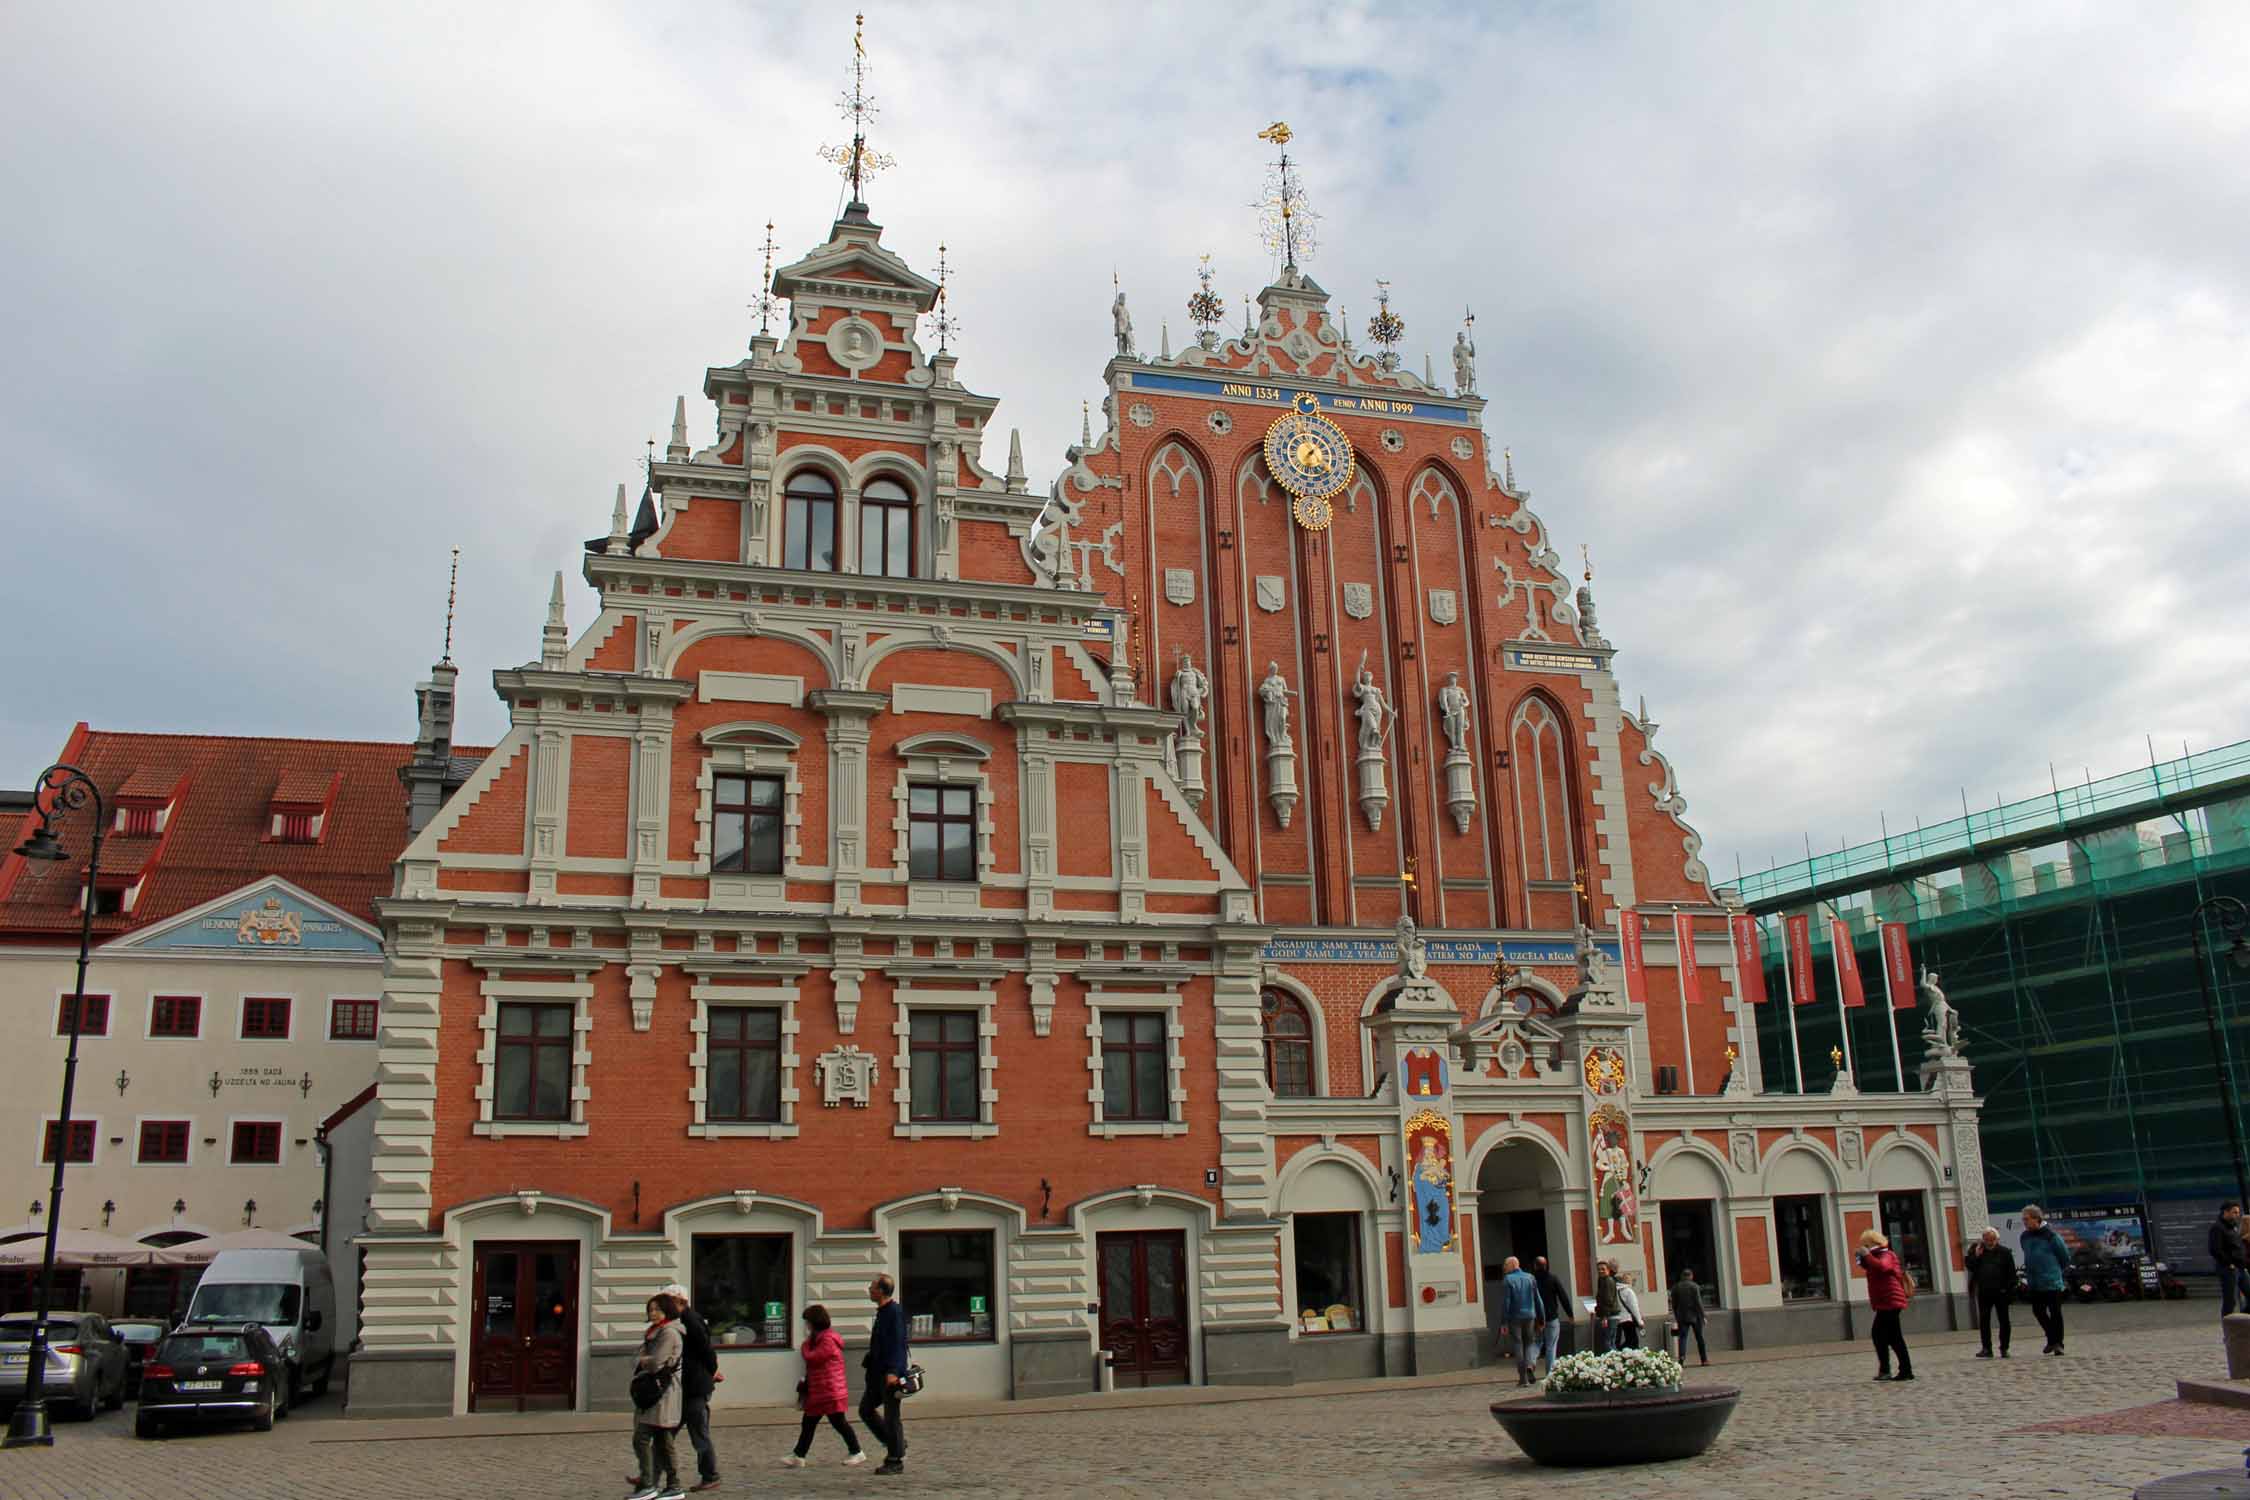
(1895,363)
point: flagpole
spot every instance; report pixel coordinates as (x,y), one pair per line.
(1890,1012)
(1843,1013)
(1681,963)
(1789,993)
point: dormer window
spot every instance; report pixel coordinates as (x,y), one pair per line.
(886,529)
(144,804)
(298,810)
(139,822)
(808,522)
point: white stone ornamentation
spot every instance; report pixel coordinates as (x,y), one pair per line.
(847,1075)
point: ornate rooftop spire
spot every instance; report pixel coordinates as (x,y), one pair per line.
(1386,328)
(554,641)
(1286,223)
(767,304)
(941,319)
(1205,307)
(857,161)
(452,593)
(677,450)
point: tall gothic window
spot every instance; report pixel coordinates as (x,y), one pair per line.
(1288,1045)
(1543,782)
(808,524)
(886,529)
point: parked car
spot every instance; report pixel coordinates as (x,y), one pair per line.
(213,1372)
(85,1361)
(290,1293)
(139,1336)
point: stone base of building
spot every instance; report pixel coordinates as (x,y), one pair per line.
(1061,1363)
(609,1377)
(1436,1352)
(1338,1356)
(1252,1355)
(400,1383)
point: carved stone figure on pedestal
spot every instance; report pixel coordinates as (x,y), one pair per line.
(1374,715)
(1453,711)
(1413,953)
(1190,688)
(1941,1034)
(1464,363)
(1281,753)
(1459,771)
(1121,322)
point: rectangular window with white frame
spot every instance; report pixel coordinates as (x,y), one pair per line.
(93,1015)
(944,1063)
(175,1017)
(165,1143)
(537,1040)
(255,1143)
(750,812)
(353,1020)
(1138,1073)
(266,1018)
(84,1137)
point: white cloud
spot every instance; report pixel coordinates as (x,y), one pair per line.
(1891,361)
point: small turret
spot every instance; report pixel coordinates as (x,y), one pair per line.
(554,641)
(1017,479)
(617,545)
(677,449)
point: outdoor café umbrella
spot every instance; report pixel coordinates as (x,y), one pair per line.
(202,1252)
(80,1249)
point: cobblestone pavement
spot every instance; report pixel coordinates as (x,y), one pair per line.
(1811,1423)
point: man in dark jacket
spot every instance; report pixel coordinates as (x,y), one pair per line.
(1554,1300)
(699,1373)
(1605,1305)
(886,1371)
(1992,1276)
(2046,1270)
(2227,1255)
(1687,1313)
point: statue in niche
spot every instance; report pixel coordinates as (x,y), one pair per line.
(1275,692)
(1464,363)
(1121,323)
(1941,1034)
(1413,953)
(1190,689)
(1453,711)
(1593,964)
(1374,711)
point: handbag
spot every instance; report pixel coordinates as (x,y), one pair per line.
(911,1383)
(649,1386)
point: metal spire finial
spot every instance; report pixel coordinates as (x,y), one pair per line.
(1586,558)
(1508,470)
(767,304)
(941,320)
(856,161)
(1287,226)
(1205,307)
(1386,328)
(452,593)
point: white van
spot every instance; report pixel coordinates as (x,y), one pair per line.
(289,1291)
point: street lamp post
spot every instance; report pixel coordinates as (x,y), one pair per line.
(2234,923)
(60,791)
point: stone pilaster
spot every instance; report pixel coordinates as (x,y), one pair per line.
(849,717)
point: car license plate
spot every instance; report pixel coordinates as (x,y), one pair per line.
(15,1359)
(200,1385)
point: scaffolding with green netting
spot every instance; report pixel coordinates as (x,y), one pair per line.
(2064,930)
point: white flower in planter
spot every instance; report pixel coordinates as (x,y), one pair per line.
(1618,1370)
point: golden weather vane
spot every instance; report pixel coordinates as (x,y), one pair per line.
(1287,224)
(857,161)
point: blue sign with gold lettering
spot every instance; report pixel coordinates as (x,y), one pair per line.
(1442,950)
(1351,405)
(269,918)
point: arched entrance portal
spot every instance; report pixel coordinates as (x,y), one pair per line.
(1521,1210)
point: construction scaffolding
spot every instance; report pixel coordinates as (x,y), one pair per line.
(2061,929)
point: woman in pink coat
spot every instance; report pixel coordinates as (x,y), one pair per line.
(823,1392)
(1887,1293)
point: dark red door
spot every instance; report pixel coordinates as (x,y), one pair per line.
(1144,1305)
(525,1354)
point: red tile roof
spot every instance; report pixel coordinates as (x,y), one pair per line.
(215,840)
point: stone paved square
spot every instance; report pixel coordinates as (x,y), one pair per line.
(1811,1423)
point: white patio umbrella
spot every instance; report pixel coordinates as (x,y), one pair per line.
(201,1252)
(79,1248)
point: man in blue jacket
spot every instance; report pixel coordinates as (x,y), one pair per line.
(2046,1268)
(1523,1315)
(886,1372)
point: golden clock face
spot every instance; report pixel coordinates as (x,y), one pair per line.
(1311,458)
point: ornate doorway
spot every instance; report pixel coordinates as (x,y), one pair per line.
(1144,1317)
(524,1354)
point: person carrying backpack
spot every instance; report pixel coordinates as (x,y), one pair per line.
(657,1403)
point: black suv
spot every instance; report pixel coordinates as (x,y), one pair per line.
(228,1371)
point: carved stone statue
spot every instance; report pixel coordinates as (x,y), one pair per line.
(1274,691)
(1190,688)
(1413,953)
(1121,323)
(1941,1034)
(1464,363)
(1593,964)
(1374,711)
(1453,711)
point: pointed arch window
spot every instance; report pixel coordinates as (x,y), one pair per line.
(1288,1037)
(886,529)
(1543,782)
(808,527)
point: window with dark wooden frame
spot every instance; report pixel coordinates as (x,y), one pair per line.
(941,832)
(82,1134)
(1288,1035)
(808,528)
(164,1142)
(1136,1067)
(746,824)
(93,1021)
(257,1143)
(531,1066)
(265,1019)
(742,1067)
(352,1020)
(176,1016)
(886,529)
(942,1052)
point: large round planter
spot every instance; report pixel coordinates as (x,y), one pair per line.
(1621,1427)
(1637,1393)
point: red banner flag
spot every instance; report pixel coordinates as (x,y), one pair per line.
(1749,958)
(1691,976)
(1798,930)
(1898,965)
(1847,964)
(1629,945)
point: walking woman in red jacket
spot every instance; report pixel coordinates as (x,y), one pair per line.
(1887,1292)
(824,1392)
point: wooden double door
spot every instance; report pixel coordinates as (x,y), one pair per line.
(1144,1317)
(525,1346)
